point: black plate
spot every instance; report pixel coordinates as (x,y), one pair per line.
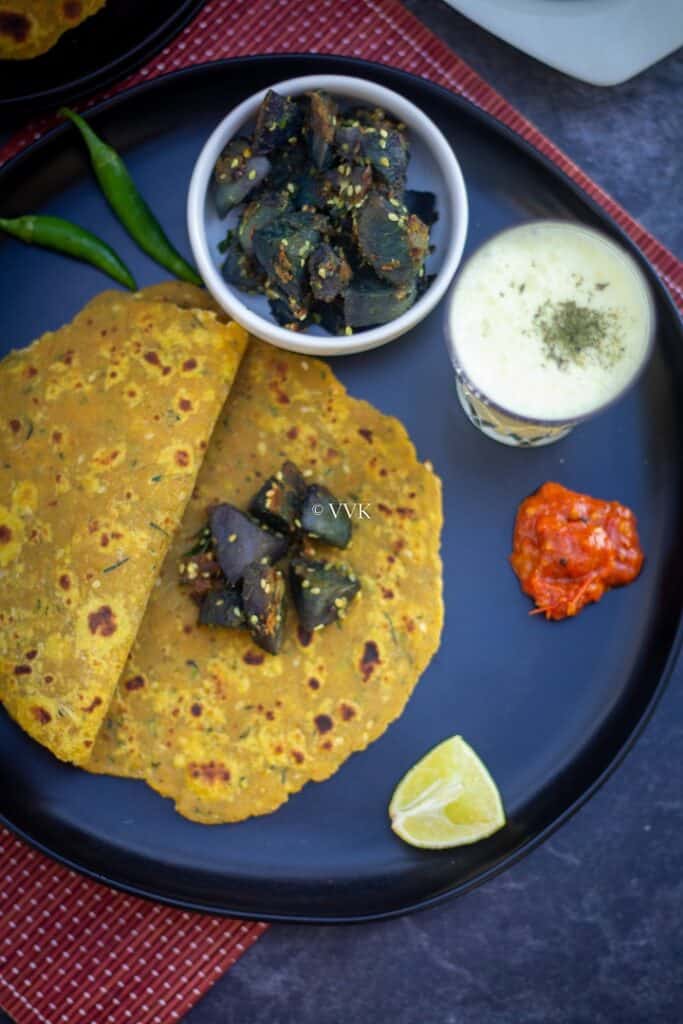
(100,50)
(551,707)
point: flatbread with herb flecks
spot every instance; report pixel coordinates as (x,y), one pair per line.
(208,719)
(103,427)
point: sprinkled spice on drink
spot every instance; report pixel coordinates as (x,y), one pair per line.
(550,321)
(573,333)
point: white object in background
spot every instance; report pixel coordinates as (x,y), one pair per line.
(603,42)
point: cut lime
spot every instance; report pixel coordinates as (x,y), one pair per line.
(446,799)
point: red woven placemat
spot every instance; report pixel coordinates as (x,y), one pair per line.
(70,949)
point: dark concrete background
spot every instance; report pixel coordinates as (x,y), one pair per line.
(586,930)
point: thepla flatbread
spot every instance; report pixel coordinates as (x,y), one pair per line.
(31,27)
(208,719)
(103,427)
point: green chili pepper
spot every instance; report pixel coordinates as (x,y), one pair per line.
(127,203)
(63,236)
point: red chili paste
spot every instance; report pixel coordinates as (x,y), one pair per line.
(570,549)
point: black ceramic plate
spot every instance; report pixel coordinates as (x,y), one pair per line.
(100,50)
(551,707)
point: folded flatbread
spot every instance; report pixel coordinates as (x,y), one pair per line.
(210,720)
(103,427)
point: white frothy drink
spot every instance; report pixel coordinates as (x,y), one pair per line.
(550,321)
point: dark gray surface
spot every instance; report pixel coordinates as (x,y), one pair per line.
(586,930)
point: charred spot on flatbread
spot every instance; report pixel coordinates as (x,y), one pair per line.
(32,27)
(88,508)
(14,25)
(276,723)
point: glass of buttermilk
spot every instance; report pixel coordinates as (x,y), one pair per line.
(548,323)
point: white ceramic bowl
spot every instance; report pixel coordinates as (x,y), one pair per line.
(433,167)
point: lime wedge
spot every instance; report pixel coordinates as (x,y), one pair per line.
(446,799)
